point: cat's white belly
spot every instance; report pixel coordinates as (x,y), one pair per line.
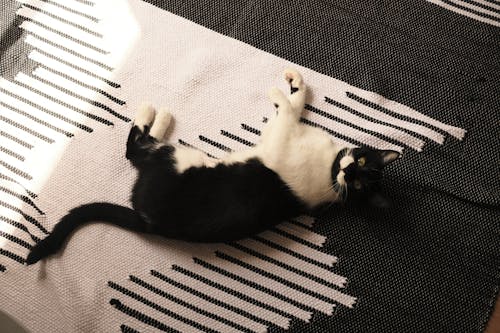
(303,161)
(186,158)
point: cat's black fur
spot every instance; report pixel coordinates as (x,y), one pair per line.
(202,204)
(208,204)
(226,202)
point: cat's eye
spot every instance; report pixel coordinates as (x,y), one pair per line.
(361,161)
(357,184)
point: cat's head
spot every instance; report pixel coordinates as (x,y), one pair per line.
(358,172)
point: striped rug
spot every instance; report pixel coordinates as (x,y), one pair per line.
(65,112)
(487,11)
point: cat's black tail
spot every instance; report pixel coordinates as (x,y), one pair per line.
(99,211)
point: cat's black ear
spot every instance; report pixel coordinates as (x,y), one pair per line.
(377,200)
(388,156)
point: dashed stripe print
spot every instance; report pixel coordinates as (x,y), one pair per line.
(127,329)
(141,317)
(23,197)
(353,122)
(70,91)
(246,286)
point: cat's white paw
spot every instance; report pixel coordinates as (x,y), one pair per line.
(293,77)
(277,97)
(144,116)
(164,116)
(161,124)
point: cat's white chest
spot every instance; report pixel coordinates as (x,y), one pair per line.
(304,162)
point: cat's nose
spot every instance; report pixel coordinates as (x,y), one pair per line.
(349,171)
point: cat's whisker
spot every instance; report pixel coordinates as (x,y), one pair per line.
(336,186)
(345,192)
(340,192)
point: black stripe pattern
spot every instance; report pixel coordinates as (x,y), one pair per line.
(236,281)
(415,132)
(45,106)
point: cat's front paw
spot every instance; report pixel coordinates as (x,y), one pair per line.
(293,77)
(277,97)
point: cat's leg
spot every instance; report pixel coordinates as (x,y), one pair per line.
(278,128)
(289,109)
(139,134)
(297,90)
(283,127)
(160,124)
(144,117)
(285,116)
(281,103)
(140,127)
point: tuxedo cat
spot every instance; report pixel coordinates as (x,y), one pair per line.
(182,193)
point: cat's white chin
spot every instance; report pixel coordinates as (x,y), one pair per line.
(340,178)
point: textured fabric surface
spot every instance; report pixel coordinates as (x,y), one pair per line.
(421,79)
(13,50)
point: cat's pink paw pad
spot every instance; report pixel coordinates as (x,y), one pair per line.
(293,77)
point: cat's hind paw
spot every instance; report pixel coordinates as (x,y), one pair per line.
(145,116)
(161,124)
